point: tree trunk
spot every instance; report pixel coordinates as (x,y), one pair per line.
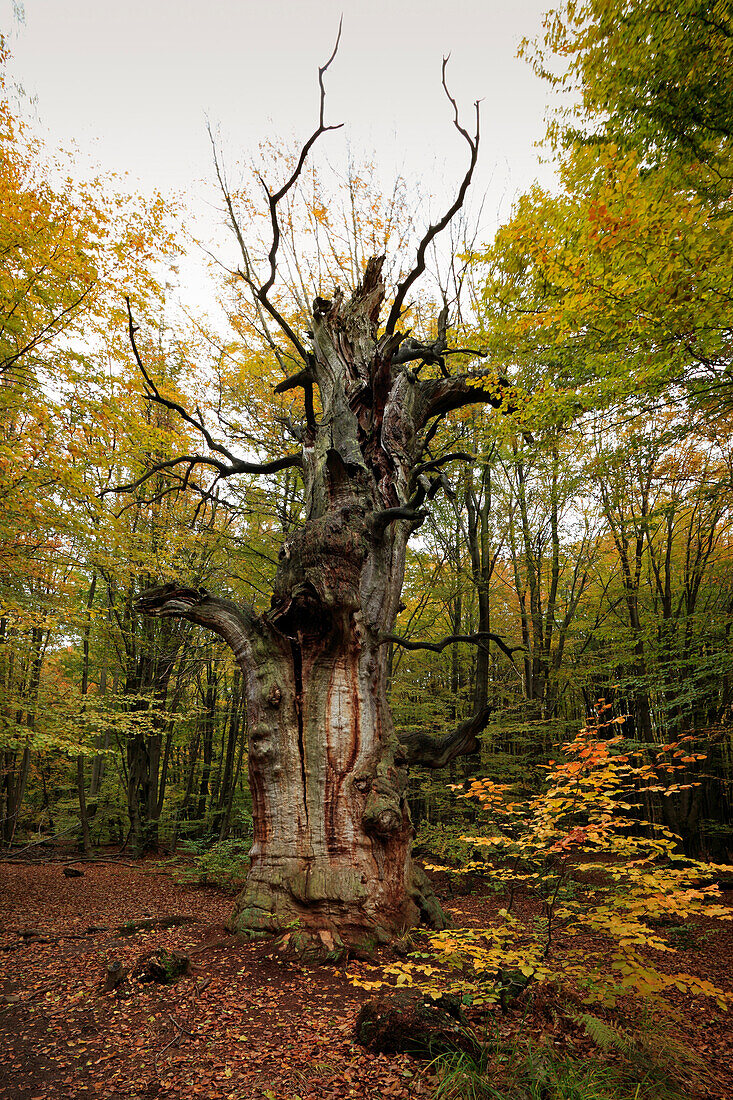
(226,818)
(208,722)
(228,778)
(149,672)
(331,859)
(98,763)
(86,839)
(332,831)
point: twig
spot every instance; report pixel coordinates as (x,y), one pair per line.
(175,1040)
(181,1028)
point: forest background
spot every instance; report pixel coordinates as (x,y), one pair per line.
(590,527)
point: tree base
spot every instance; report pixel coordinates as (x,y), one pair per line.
(321,920)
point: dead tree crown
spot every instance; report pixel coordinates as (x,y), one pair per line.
(366,463)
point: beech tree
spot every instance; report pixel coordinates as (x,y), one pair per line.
(328,774)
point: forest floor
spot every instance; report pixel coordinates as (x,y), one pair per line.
(243,1023)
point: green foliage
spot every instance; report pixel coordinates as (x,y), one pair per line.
(663,1064)
(683,937)
(443,840)
(208,862)
(603,1034)
(522,1070)
(654,75)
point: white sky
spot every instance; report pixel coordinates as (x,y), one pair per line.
(132,82)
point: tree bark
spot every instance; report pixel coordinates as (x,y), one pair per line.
(86,839)
(228,779)
(331,856)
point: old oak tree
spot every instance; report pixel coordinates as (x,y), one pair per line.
(332,832)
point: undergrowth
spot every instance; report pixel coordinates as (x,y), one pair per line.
(640,1063)
(222,863)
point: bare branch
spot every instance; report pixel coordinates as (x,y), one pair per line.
(436,463)
(433,351)
(302,378)
(237,466)
(442,395)
(159,467)
(262,301)
(240,466)
(273,199)
(430,353)
(434,230)
(231,621)
(470,639)
(379,521)
(154,394)
(233,466)
(411,510)
(177,484)
(305,379)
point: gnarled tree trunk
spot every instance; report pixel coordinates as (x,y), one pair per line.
(331,853)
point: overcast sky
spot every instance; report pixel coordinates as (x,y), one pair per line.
(133,82)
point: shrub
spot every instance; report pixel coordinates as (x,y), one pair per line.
(586,822)
(208,862)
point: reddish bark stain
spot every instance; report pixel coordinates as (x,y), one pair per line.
(261,818)
(262,831)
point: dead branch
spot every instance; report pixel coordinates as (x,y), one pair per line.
(237,466)
(430,353)
(434,230)
(436,463)
(176,1040)
(436,752)
(305,379)
(130,928)
(302,378)
(181,1028)
(229,620)
(225,469)
(154,394)
(273,199)
(439,396)
(478,638)
(379,521)
(426,489)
